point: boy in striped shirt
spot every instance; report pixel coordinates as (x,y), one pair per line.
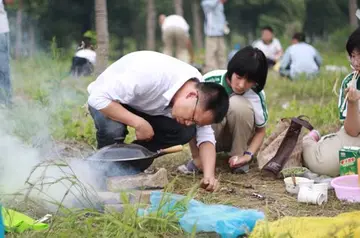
(242,131)
(322,155)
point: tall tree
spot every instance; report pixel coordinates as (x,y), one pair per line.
(150,25)
(178,5)
(197,24)
(102,36)
(19,16)
(352,10)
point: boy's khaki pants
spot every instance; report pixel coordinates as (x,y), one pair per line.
(323,157)
(237,128)
(178,37)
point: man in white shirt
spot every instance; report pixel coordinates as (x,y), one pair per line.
(166,102)
(5,83)
(269,45)
(175,31)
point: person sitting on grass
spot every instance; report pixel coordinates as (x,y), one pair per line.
(321,155)
(166,102)
(300,59)
(242,131)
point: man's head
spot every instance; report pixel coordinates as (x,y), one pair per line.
(200,104)
(247,69)
(298,37)
(267,34)
(353,49)
(161,19)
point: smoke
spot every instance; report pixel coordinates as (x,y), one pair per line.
(31,162)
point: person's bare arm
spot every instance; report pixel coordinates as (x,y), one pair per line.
(257,140)
(117,112)
(207,154)
(255,144)
(352,120)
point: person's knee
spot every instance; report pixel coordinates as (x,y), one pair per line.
(240,109)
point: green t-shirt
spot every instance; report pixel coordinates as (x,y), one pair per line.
(257,100)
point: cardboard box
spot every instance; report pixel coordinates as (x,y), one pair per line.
(349,159)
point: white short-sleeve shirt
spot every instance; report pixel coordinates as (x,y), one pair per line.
(87,54)
(270,50)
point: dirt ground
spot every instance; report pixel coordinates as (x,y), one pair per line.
(238,190)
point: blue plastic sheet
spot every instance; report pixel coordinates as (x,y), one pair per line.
(227,221)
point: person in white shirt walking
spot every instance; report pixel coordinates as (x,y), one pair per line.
(269,45)
(175,31)
(166,102)
(5,83)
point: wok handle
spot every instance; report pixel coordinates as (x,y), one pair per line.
(172,149)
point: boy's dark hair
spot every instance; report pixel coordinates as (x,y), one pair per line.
(251,63)
(299,36)
(269,28)
(353,43)
(213,97)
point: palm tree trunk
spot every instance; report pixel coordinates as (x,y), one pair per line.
(352,10)
(19,15)
(102,36)
(150,25)
(197,20)
(178,5)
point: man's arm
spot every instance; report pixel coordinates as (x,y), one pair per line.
(285,61)
(207,154)
(205,140)
(318,59)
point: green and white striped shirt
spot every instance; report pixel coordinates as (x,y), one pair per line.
(342,103)
(257,100)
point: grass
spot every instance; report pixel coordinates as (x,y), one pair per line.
(49,106)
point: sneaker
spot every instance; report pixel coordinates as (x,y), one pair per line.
(189,168)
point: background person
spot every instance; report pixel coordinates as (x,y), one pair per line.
(269,45)
(175,32)
(300,58)
(5,82)
(215,27)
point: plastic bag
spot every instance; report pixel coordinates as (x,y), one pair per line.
(227,221)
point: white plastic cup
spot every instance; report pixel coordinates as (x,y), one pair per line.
(322,188)
(308,195)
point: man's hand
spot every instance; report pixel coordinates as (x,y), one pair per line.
(143,130)
(223,1)
(353,95)
(209,184)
